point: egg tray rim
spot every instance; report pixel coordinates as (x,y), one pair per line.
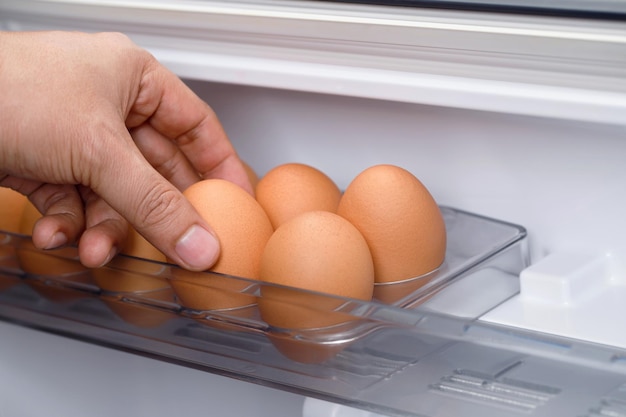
(363,308)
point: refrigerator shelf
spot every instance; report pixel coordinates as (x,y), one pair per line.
(424,351)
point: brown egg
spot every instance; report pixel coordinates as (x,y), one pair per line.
(8,281)
(136,245)
(143,279)
(243,229)
(11,207)
(61,266)
(399,219)
(291,189)
(304,351)
(317,251)
(137,314)
(58,292)
(29,217)
(230,320)
(395,292)
(60,263)
(125,274)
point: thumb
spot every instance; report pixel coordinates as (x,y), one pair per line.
(156,209)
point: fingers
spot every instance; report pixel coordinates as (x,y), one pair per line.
(165,156)
(175,112)
(114,86)
(70,213)
(105,233)
(152,204)
(62,208)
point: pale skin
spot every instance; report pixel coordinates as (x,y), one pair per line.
(98,134)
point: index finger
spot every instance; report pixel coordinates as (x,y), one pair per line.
(176,112)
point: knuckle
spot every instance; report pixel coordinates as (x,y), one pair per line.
(117,38)
(158,206)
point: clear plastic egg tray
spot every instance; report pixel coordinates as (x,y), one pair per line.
(477,246)
(416,347)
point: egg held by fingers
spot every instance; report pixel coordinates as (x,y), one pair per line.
(243,229)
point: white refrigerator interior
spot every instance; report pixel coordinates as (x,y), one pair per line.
(516,118)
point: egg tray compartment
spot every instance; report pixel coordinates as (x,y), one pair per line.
(485,249)
(405,362)
(481,253)
(481,250)
(399,361)
(50,290)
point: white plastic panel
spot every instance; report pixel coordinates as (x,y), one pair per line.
(314,407)
(575,295)
(571,69)
(564,181)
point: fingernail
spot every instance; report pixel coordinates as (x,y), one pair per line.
(198,248)
(110,256)
(58,239)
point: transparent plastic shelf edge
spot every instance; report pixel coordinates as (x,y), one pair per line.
(382,358)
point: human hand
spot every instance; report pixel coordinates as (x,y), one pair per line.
(96,132)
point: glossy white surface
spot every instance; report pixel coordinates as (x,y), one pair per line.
(564,68)
(564,181)
(574,295)
(320,408)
